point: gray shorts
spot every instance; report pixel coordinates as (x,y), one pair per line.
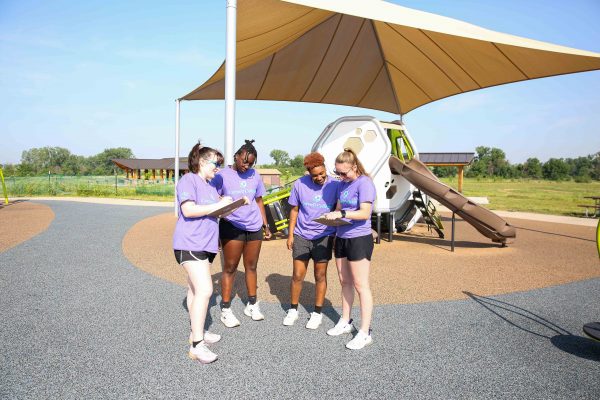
(319,249)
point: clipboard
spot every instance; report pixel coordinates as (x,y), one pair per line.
(229,207)
(332,222)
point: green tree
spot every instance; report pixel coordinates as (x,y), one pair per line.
(556,169)
(297,162)
(282,158)
(44,160)
(595,170)
(532,168)
(443,172)
(101,163)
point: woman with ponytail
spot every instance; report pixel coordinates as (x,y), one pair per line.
(241,232)
(196,242)
(354,245)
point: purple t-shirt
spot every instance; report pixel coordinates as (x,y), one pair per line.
(196,234)
(229,182)
(360,190)
(313,200)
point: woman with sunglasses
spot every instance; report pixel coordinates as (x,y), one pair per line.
(196,242)
(241,232)
(354,246)
(311,195)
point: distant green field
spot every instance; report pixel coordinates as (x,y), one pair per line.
(89,186)
(545,197)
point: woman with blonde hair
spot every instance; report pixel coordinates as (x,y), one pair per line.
(354,245)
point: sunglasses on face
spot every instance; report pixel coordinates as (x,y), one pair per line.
(342,174)
(214,163)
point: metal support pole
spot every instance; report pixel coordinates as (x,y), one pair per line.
(391,226)
(176,160)
(230,64)
(452,239)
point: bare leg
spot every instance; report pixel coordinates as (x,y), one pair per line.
(347,283)
(320,283)
(297,280)
(360,274)
(251,253)
(232,252)
(200,283)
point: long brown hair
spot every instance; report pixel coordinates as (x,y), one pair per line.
(198,153)
(348,156)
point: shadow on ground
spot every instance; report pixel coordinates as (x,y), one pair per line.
(279,286)
(537,325)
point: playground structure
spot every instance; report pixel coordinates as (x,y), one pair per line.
(403,184)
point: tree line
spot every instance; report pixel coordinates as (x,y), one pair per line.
(491,162)
(58,160)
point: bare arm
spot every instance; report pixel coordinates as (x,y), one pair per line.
(189,209)
(292,226)
(261,207)
(364,213)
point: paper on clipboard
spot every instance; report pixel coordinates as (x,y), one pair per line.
(229,207)
(332,222)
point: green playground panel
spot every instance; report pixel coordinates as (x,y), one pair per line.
(4,187)
(276,196)
(400,142)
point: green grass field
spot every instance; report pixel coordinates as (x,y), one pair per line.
(545,197)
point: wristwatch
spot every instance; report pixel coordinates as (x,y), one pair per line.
(343,212)
(266,226)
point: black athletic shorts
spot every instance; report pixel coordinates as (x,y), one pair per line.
(318,249)
(185,255)
(227,231)
(354,249)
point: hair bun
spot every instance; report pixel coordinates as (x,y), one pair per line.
(249,141)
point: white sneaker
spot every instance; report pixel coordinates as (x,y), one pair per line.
(211,338)
(228,319)
(202,353)
(341,327)
(315,320)
(253,311)
(291,317)
(360,340)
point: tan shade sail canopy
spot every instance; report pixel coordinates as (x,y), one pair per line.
(373,54)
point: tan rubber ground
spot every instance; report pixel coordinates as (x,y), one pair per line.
(20,221)
(415,267)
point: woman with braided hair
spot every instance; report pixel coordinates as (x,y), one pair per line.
(241,232)
(354,245)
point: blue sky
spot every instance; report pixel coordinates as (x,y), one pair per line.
(97,74)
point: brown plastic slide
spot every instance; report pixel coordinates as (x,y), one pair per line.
(482,219)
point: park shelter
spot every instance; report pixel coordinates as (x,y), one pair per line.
(458,160)
(374,54)
(164,169)
(369,54)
